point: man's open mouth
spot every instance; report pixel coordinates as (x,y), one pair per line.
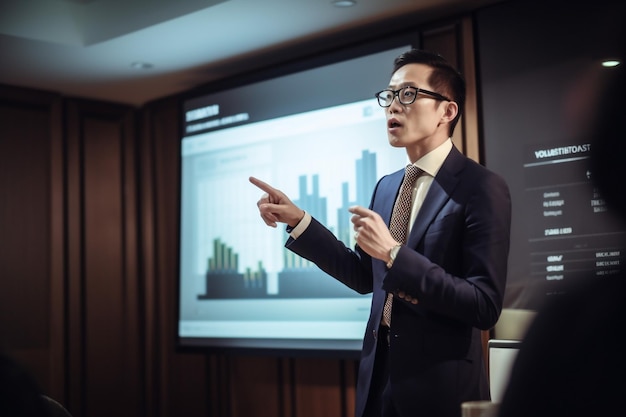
(393,123)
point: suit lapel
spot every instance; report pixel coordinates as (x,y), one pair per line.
(388,194)
(439,193)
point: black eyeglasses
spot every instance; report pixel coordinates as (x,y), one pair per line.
(406,95)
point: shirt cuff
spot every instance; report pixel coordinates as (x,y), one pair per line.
(300,227)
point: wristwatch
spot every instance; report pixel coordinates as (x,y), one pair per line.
(393,252)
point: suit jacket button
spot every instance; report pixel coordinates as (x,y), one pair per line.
(374,333)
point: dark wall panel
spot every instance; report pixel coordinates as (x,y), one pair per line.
(319,388)
(104,335)
(255,381)
(24,173)
(30,174)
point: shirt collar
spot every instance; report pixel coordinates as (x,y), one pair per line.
(433,160)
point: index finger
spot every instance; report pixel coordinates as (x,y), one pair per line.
(263,185)
(359,210)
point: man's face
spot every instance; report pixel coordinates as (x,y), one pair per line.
(423,125)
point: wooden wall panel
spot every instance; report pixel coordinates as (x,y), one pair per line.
(24,166)
(151,346)
(318,388)
(103,295)
(104,361)
(254,381)
(31,255)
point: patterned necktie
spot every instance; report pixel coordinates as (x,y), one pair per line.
(399,225)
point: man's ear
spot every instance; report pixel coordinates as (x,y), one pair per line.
(452,109)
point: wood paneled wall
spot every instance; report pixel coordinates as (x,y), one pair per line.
(88,264)
(31,255)
(103,280)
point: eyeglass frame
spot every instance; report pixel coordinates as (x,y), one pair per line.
(396,93)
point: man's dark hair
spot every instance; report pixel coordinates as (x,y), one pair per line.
(445,79)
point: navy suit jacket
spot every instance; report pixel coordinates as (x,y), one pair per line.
(454,263)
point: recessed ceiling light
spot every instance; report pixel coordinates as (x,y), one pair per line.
(343,3)
(609,63)
(140,65)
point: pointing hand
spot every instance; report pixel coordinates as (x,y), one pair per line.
(275,207)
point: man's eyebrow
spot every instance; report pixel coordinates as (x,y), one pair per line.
(402,85)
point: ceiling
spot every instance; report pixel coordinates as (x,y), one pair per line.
(87,48)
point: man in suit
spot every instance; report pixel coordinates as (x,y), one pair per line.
(446,277)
